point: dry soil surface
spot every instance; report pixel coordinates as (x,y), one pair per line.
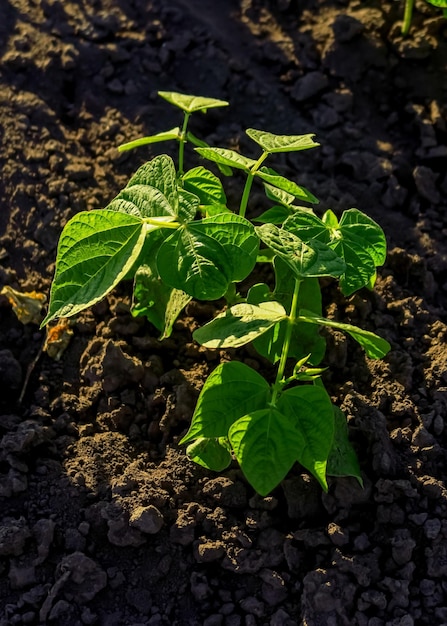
(103,519)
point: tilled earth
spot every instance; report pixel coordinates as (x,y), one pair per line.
(103,519)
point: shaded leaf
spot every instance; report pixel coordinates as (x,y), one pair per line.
(194,262)
(306,338)
(212,454)
(342,459)
(230,391)
(27,305)
(275,215)
(266,444)
(158,302)
(237,236)
(311,409)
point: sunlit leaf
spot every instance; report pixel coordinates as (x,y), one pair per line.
(167,135)
(281,143)
(189,103)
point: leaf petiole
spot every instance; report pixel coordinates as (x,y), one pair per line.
(182,142)
(161,222)
(249,183)
(291,319)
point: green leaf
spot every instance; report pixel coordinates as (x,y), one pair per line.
(266,444)
(230,391)
(96,250)
(356,239)
(159,173)
(193,262)
(259,293)
(144,201)
(278,195)
(307,226)
(167,135)
(188,206)
(199,143)
(311,409)
(356,226)
(362,244)
(239,325)
(281,143)
(212,454)
(306,338)
(305,260)
(158,302)
(206,186)
(230,158)
(237,236)
(441,4)
(275,215)
(342,459)
(270,176)
(189,103)
(374,346)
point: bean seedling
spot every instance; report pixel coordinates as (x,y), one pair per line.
(172,232)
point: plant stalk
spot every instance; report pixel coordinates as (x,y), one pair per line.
(249,182)
(279,381)
(408,14)
(182,141)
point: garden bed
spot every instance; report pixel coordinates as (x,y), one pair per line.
(103,519)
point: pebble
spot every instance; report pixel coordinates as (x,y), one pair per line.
(425,180)
(86,578)
(13,535)
(147,519)
(346,28)
(10,372)
(310,85)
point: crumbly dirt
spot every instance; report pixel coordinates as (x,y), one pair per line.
(103,519)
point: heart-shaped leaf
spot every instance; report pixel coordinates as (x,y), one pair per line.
(305,260)
(266,444)
(229,392)
(96,250)
(310,409)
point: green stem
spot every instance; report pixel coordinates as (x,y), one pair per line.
(249,182)
(182,141)
(279,381)
(231,296)
(408,14)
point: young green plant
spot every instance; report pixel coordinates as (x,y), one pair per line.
(173,233)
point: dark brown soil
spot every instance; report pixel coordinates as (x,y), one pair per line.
(103,519)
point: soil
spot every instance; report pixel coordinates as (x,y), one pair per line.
(103,519)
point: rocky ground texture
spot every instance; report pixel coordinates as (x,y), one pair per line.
(103,520)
